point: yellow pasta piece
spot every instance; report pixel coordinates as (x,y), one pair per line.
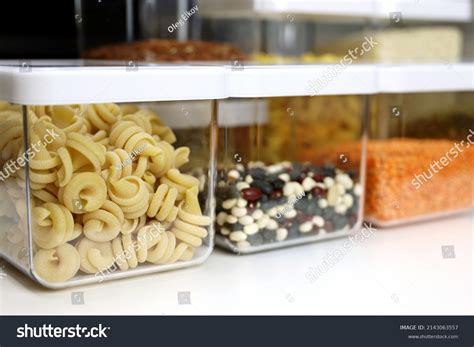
(53,225)
(85,192)
(131,194)
(104,224)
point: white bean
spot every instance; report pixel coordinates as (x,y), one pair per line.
(281,234)
(242,185)
(241,202)
(238,236)
(272,224)
(328,182)
(257,214)
(239,211)
(306,227)
(322,203)
(251,229)
(221,216)
(228,204)
(318,221)
(245,220)
(231,219)
(284,177)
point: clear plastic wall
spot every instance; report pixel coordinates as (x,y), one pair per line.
(92,192)
(420,157)
(284,174)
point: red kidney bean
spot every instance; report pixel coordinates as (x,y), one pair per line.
(251,194)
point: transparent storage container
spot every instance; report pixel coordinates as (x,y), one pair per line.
(146,30)
(282,179)
(437,31)
(420,155)
(101,179)
(276,32)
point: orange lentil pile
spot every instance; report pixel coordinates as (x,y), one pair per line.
(391,193)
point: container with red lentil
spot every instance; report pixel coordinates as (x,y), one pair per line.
(270,193)
(420,156)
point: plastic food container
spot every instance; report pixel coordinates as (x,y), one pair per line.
(413,32)
(97,183)
(420,156)
(276,32)
(273,31)
(146,30)
(281,179)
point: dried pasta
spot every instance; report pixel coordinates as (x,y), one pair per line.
(107,192)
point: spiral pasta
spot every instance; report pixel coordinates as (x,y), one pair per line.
(131,194)
(129,250)
(79,153)
(64,117)
(102,116)
(180,181)
(119,164)
(106,190)
(12,138)
(53,225)
(104,224)
(57,265)
(85,192)
(189,226)
(169,250)
(95,256)
(162,204)
(129,136)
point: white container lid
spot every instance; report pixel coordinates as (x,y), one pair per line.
(67,82)
(300,80)
(448,77)
(61,84)
(433,10)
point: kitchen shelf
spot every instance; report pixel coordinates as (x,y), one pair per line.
(423,10)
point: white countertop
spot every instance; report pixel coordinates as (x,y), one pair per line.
(398,271)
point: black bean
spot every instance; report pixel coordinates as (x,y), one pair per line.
(281,200)
(295,174)
(255,239)
(311,208)
(268,235)
(233,192)
(328,213)
(340,222)
(234,226)
(278,183)
(264,198)
(302,204)
(257,173)
(265,187)
(293,232)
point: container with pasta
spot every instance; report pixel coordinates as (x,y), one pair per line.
(100,178)
(275,186)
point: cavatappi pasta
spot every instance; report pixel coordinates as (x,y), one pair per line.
(106,190)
